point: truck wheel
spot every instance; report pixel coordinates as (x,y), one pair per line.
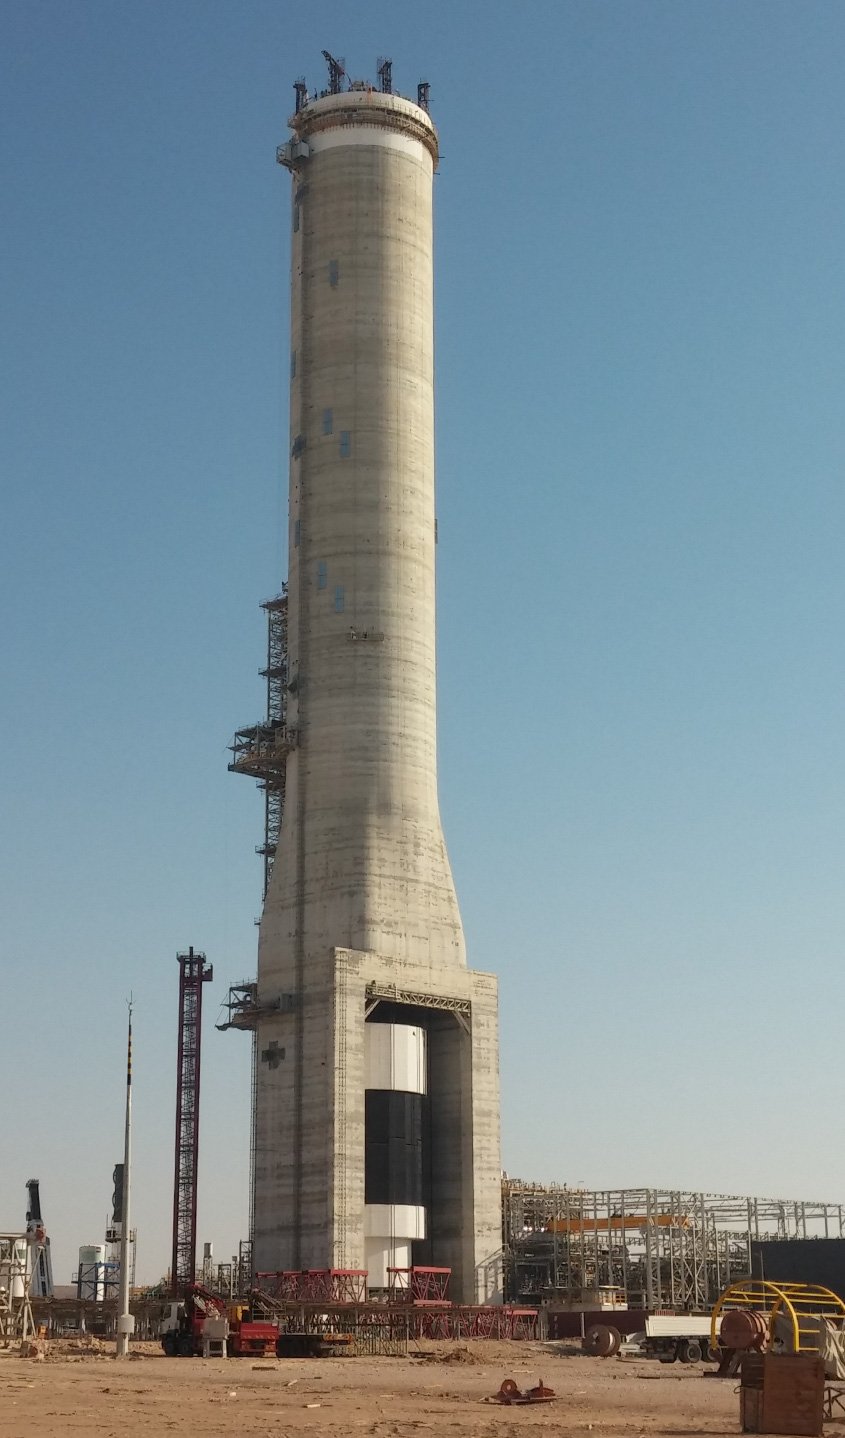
(168,1343)
(690,1351)
(601,1341)
(185,1345)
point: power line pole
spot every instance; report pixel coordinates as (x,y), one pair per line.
(125,1321)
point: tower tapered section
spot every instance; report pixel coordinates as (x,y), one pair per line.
(361,922)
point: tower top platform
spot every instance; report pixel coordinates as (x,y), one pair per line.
(361,107)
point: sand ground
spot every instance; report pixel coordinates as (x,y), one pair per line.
(438,1390)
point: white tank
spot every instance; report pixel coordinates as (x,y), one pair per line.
(92,1275)
(394,1057)
(394,1063)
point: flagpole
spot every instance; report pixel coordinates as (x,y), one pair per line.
(125,1321)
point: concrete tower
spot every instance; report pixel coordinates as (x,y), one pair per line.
(376,1087)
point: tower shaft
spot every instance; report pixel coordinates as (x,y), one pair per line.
(362,861)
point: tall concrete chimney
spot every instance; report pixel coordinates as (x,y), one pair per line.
(376,1085)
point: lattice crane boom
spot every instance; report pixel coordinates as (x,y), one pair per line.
(194,971)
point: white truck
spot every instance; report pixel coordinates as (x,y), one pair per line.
(674,1336)
(666,1336)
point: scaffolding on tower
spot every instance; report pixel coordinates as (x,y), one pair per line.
(194,971)
(261,752)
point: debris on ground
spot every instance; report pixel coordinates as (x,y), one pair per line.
(451,1355)
(510,1392)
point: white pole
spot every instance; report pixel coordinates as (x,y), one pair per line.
(125,1321)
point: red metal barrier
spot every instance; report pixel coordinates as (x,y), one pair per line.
(523,1323)
(419,1284)
(432,1322)
(281,1285)
(316,1285)
(481,1321)
(417,1297)
(334,1285)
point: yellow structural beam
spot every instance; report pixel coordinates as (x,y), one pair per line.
(616,1221)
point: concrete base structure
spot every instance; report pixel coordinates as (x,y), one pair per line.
(310,1208)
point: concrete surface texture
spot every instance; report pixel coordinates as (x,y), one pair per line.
(361,892)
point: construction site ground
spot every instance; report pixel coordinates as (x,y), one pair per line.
(440,1388)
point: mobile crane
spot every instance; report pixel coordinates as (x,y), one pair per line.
(183,1328)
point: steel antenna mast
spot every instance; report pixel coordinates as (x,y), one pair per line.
(126,1321)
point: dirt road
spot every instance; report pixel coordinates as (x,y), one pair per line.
(438,1392)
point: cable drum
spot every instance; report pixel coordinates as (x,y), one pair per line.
(602,1341)
(743,1329)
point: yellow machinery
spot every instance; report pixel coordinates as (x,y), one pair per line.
(762,1303)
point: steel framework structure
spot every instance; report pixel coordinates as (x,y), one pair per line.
(225,1283)
(194,971)
(19,1254)
(373,1328)
(315,1285)
(399,1321)
(244,1265)
(646,1247)
(418,1284)
(98,1282)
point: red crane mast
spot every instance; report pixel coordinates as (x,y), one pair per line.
(193,973)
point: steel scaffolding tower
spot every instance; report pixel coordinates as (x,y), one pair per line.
(18,1260)
(193,973)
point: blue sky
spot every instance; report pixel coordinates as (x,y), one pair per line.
(640,264)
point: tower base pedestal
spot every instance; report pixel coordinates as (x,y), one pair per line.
(310,1116)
